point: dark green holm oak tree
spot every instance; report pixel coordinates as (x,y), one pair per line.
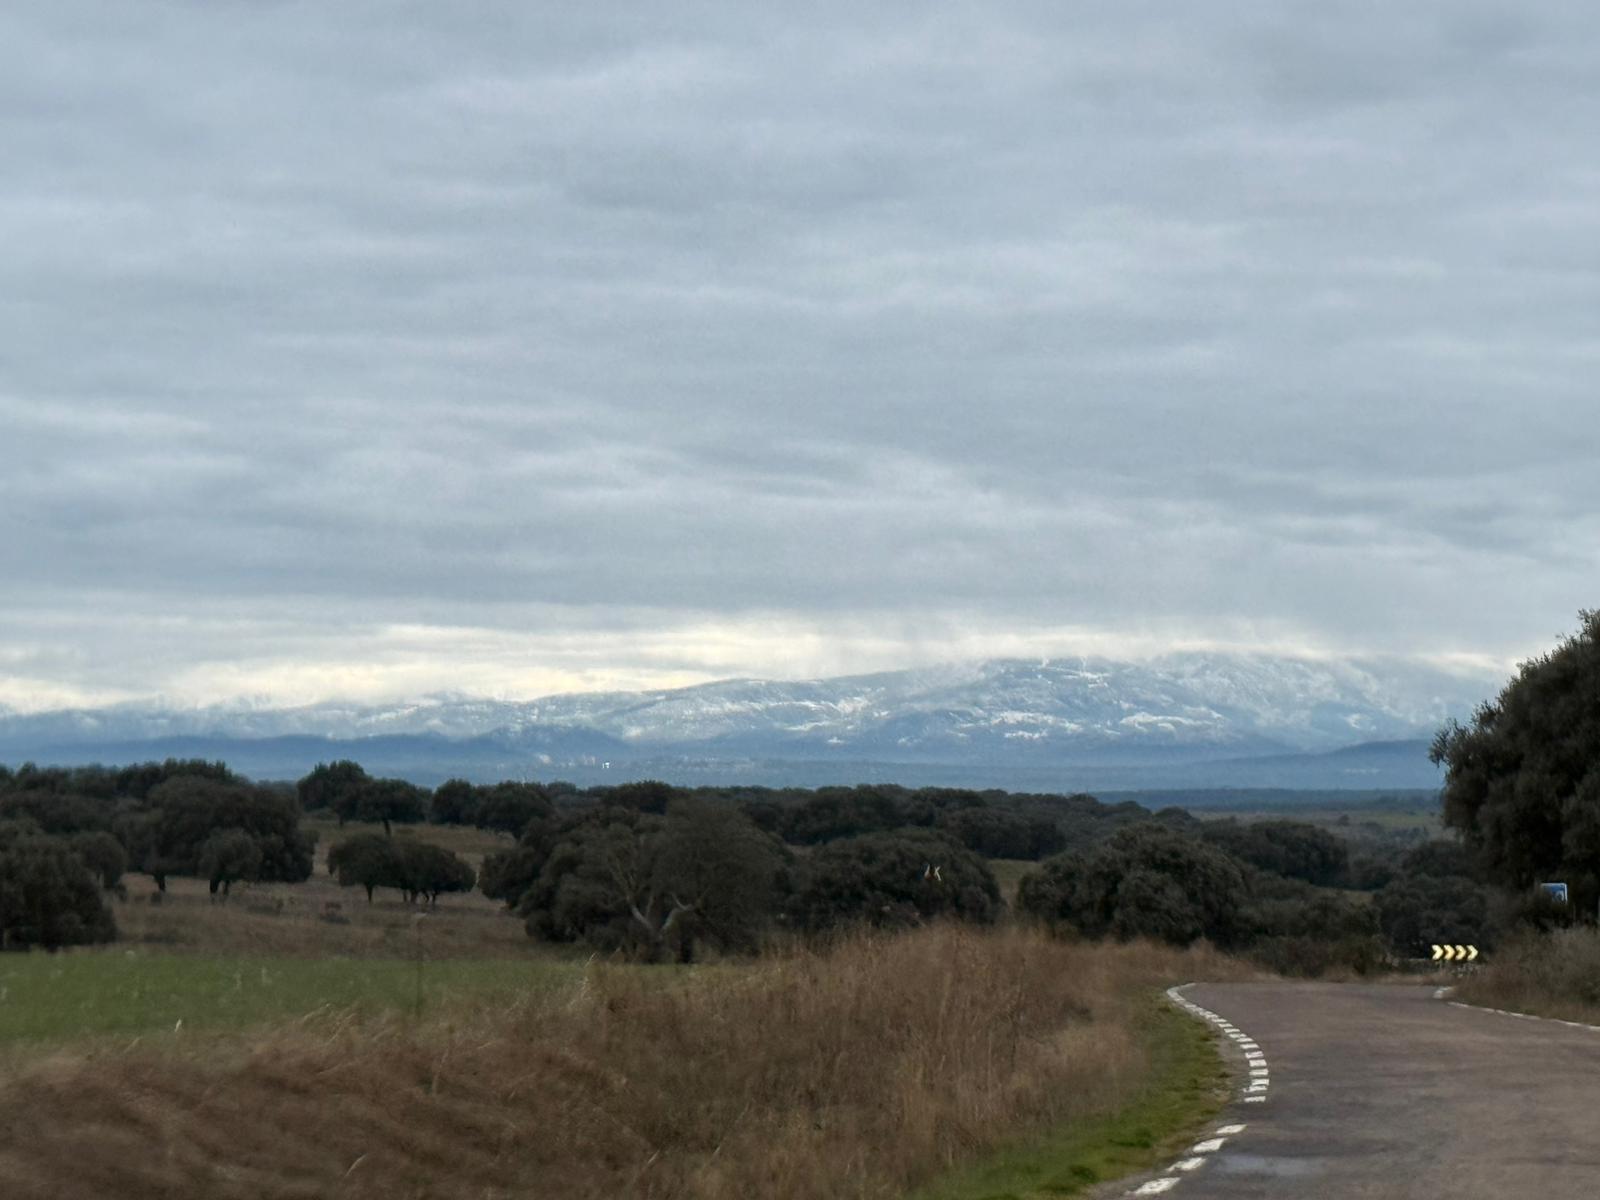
(1522,778)
(48,897)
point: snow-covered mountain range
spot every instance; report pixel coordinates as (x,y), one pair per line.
(992,715)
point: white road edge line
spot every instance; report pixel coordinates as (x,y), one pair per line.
(1255,1061)
(1520,1016)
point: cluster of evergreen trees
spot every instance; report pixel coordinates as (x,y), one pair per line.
(658,871)
(70,834)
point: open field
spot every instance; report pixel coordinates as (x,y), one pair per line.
(274,952)
(318,918)
(877,1066)
(63,996)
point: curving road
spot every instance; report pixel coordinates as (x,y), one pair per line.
(1386,1091)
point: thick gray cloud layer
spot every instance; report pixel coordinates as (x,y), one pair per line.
(388,347)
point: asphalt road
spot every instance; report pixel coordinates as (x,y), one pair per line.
(1385,1091)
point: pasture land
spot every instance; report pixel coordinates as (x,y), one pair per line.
(65,996)
(865,1070)
(275,952)
(318,918)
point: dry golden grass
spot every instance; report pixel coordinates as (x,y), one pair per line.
(1555,974)
(852,1073)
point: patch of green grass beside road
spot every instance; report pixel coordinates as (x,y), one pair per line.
(56,997)
(1188,1084)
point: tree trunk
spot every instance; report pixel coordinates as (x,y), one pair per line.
(657,945)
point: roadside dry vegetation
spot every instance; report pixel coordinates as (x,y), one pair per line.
(1554,974)
(855,1072)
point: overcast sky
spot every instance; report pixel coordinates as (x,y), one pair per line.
(373,350)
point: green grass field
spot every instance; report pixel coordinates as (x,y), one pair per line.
(45,997)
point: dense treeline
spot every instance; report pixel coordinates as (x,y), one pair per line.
(608,867)
(70,834)
(995,824)
(661,872)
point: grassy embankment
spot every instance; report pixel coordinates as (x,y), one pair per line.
(865,1071)
(1554,975)
(1185,1083)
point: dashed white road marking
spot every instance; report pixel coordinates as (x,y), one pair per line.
(1254,1093)
(1156,1186)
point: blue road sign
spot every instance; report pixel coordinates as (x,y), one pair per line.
(1555,891)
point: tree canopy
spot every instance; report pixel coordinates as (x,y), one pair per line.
(892,879)
(628,878)
(1293,849)
(170,833)
(417,870)
(48,898)
(1522,779)
(1144,881)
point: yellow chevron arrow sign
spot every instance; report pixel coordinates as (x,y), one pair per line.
(1455,953)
